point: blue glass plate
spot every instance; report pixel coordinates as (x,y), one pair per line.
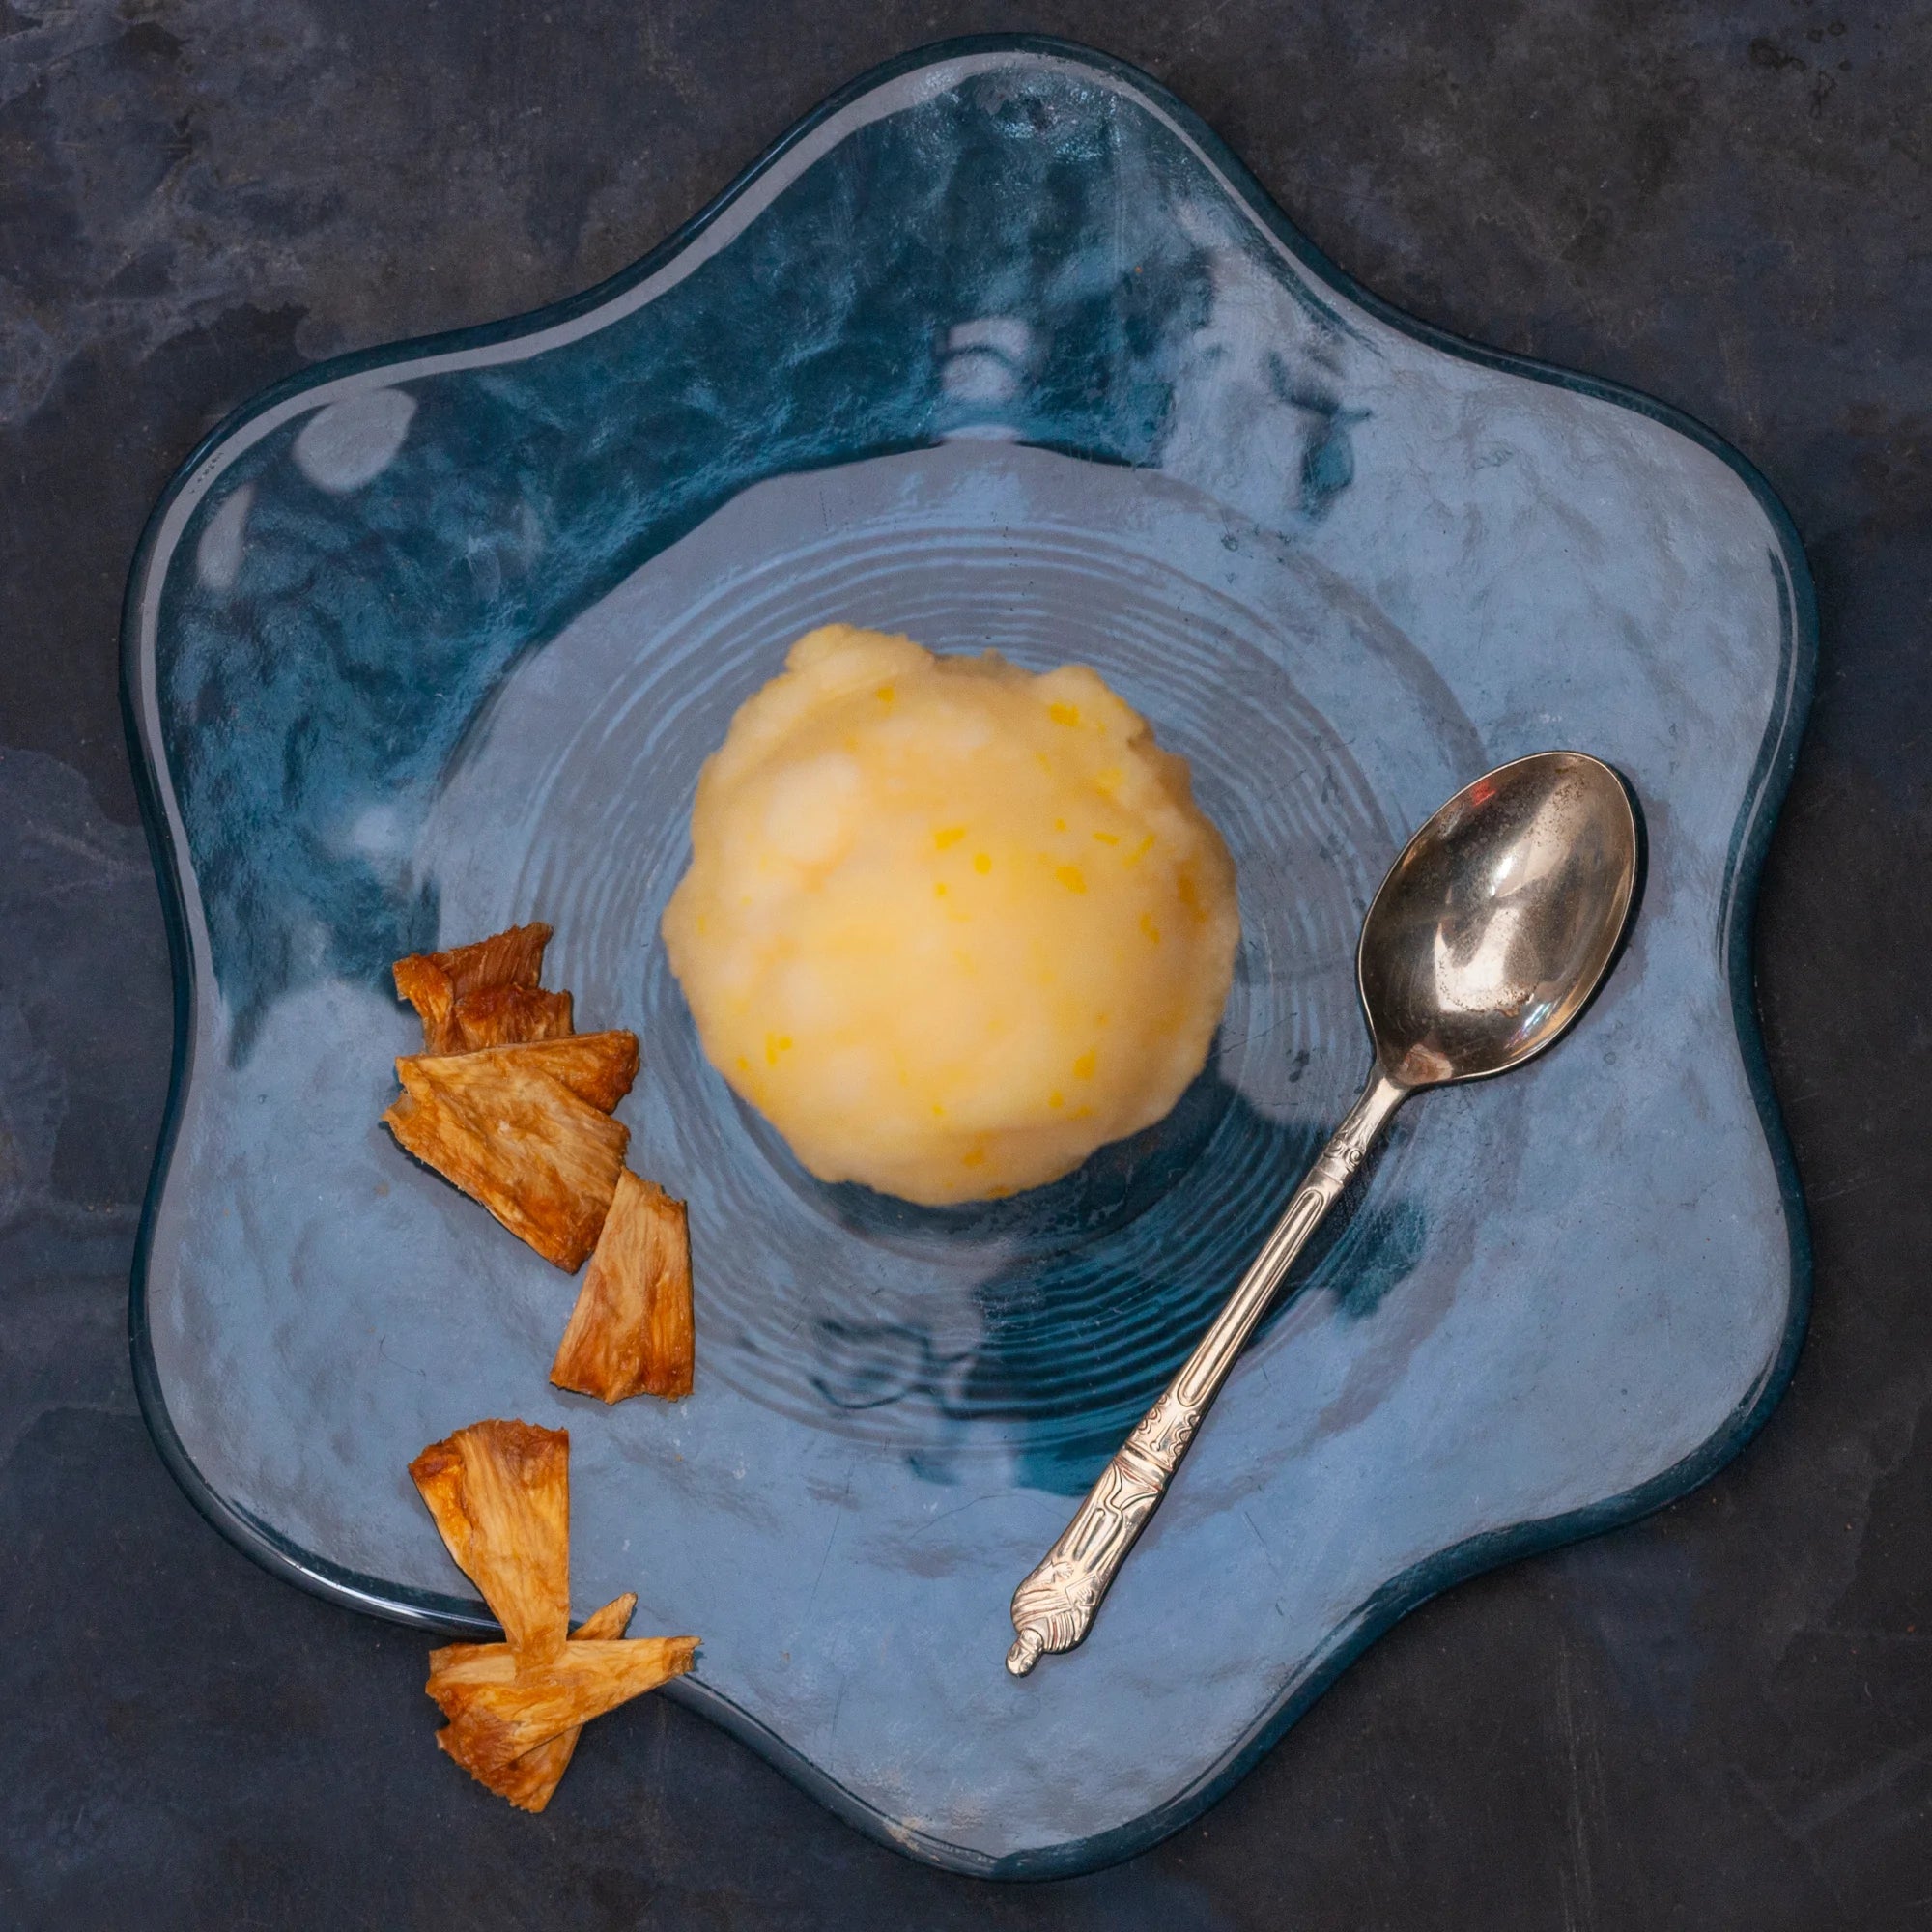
(1000,348)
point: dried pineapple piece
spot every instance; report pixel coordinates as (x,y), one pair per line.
(609,1622)
(542,1160)
(433,982)
(631,1332)
(501,1706)
(530,1781)
(606,1625)
(503,1016)
(598,1068)
(500,1493)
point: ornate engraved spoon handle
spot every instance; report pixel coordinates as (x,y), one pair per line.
(1054,1607)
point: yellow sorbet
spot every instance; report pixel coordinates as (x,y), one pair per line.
(949,926)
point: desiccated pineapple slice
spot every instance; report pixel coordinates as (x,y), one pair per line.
(528,1782)
(433,982)
(500,1493)
(503,1016)
(631,1332)
(538,1156)
(499,1706)
(598,1068)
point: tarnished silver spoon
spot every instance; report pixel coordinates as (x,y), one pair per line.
(1484,943)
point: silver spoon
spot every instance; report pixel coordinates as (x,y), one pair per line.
(1484,943)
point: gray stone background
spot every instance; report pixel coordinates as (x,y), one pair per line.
(1722,1718)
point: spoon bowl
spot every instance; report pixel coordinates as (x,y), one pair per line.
(1497,923)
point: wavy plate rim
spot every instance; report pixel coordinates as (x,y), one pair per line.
(1749,841)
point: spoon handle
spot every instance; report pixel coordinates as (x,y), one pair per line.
(1054,1607)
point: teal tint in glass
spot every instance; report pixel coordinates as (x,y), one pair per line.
(1001,348)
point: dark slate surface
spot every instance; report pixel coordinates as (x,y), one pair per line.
(1719,1718)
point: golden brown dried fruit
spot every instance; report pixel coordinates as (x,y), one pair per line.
(499,1706)
(527,1781)
(503,1016)
(631,1332)
(544,1161)
(598,1068)
(500,1493)
(432,982)
(610,1621)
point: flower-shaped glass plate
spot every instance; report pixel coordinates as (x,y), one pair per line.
(1001,348)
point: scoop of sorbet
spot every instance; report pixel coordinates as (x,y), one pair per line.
(949,926)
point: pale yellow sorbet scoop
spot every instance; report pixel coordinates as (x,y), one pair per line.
(950,926)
